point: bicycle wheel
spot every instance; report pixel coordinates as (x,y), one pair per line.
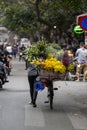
(0,84)
(51,94)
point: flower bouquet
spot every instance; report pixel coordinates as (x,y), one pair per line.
(50,67)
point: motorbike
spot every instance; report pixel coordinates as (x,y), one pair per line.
(2,78)
(20,56)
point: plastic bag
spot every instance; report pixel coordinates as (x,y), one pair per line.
(39,86)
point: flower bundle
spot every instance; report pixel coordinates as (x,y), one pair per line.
(70,67)
(42,50)
(50,64)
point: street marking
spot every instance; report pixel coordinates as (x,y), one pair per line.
(34,117)
(78,120)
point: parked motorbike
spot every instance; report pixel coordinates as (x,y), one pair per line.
(2,78)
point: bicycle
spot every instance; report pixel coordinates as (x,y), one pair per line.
(50,94)
(48,81)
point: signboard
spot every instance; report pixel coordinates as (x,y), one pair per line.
(83,22)
(79,17)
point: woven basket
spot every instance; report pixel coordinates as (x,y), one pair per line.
(51,75)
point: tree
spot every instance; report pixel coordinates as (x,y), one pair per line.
(42,15)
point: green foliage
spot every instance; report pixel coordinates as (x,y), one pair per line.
(41,45)
(31,53)
(22,16)
(55,46)
(55,50)
(38,50)
(42,50)
(19,19)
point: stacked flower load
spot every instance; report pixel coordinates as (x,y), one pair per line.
(48,58)
(50,65)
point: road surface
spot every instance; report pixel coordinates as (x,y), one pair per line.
(70,104)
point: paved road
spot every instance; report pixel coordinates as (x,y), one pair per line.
(70,105)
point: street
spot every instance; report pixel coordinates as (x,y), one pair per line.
(69,108)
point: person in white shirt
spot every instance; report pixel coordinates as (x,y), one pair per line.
(81,54)
(9,49)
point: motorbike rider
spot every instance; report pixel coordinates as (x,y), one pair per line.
(21,50)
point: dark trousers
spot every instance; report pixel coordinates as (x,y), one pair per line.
(26,64)
(33,93)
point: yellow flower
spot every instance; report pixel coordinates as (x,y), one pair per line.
(51,64)
(70,67)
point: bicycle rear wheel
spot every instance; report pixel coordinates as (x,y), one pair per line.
(0,84)
(51,94)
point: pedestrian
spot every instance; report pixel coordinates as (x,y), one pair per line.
(14,50)
(32,75)
(85,71)
(81,54)
(79,49)
(65,58)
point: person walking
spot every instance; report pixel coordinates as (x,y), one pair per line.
(14,50)
(79,49)
(81,54)
(32,75)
